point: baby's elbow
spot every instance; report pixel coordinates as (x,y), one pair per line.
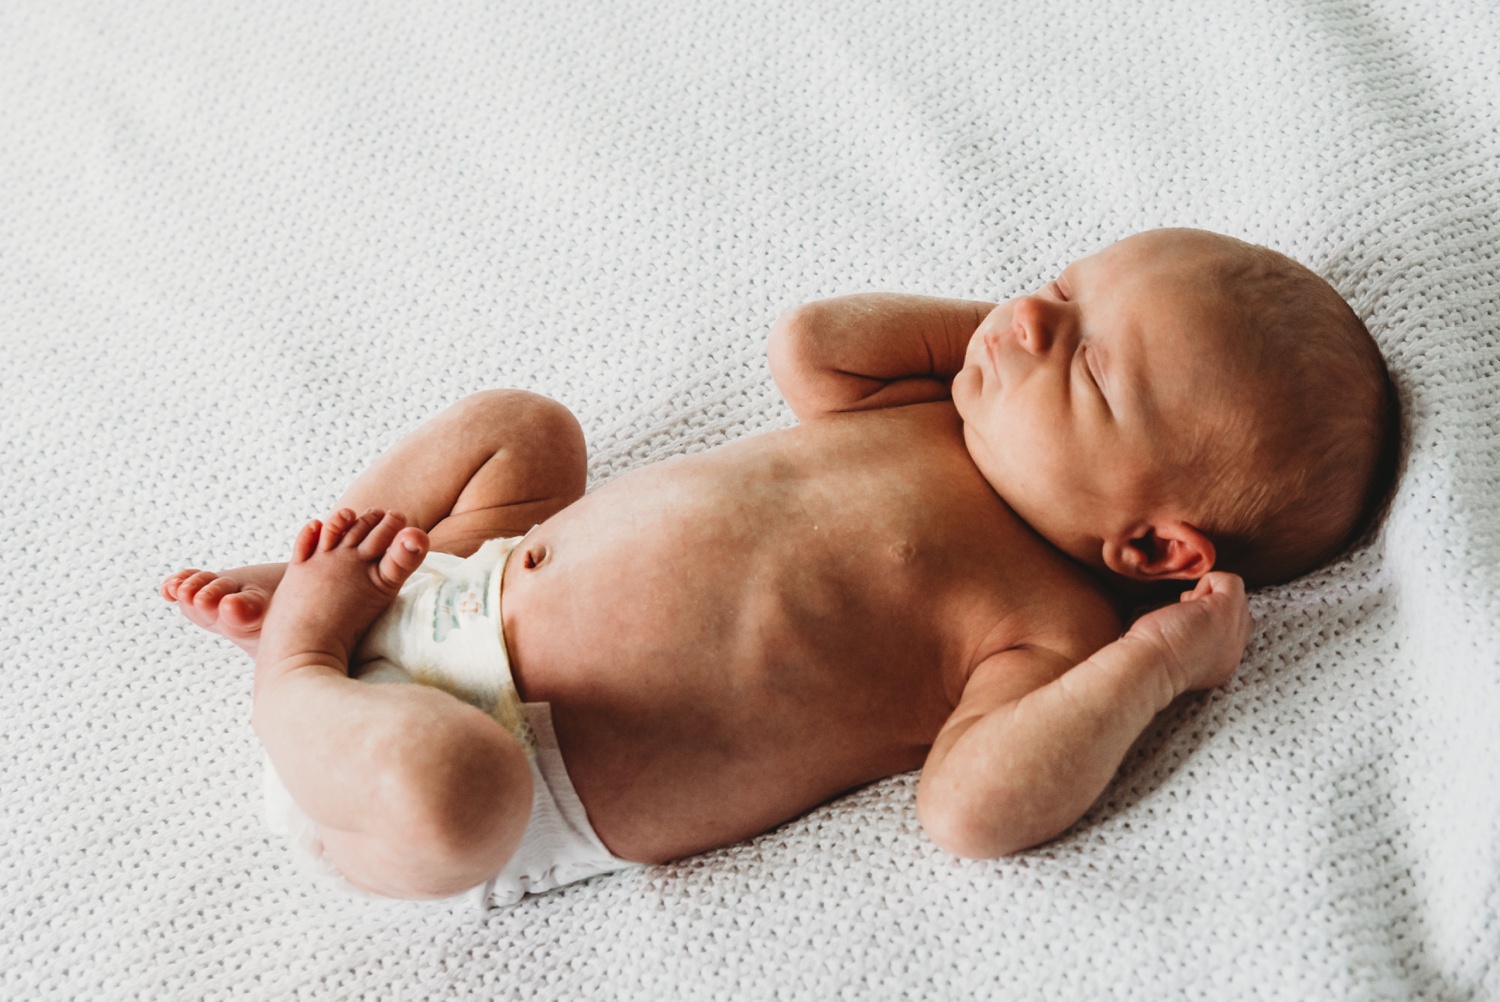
(973,841)
(786,347)
(796,361)
(991,828)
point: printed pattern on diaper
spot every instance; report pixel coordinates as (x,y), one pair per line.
(458,603)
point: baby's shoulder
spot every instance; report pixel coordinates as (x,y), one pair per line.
(1067,610)
(1079,627)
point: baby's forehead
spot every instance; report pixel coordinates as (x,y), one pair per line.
(1185,290)
(1161,256)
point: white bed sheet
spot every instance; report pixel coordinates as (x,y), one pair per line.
(244,246)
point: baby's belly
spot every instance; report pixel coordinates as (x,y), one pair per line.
(707,684)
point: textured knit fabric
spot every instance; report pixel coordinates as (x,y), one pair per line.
(245,246)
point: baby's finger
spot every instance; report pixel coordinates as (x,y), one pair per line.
(1233,587)
(1230,600)
(1202,588)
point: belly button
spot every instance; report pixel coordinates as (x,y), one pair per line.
(535,556)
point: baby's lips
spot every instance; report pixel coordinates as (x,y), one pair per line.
(989,354)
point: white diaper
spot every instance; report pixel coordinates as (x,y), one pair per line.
(559,846)
(444,630)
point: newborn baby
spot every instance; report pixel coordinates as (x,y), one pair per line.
(929,571)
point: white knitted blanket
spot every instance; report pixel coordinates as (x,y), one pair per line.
(245,246)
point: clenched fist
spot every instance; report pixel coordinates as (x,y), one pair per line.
(1200,640)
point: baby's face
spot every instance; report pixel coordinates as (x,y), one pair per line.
(1075,399)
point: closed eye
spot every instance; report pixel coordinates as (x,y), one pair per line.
(1058,292)
(1091,366)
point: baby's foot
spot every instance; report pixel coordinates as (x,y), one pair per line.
(232,604)
(343,574)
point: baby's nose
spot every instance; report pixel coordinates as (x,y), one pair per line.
(1033,322)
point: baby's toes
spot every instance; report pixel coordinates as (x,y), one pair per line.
(244,610)
(187,589)
(403,556)
(306,542)
(334,528)
(210,595)
(381,534)
(360,528)
(170,586)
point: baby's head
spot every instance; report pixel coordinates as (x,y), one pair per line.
(1182,401)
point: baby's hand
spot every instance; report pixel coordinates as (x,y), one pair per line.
(1201,639)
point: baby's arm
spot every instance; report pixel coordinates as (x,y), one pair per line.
(869,351)
(1033,742)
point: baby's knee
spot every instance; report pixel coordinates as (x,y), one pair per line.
(536,433)
(519,411)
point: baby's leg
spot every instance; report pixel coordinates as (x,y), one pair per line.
(494,464)
(232,604)
(415,793)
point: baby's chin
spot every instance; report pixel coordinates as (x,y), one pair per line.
(965,388)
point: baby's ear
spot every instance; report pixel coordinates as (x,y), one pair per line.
(1160,551)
